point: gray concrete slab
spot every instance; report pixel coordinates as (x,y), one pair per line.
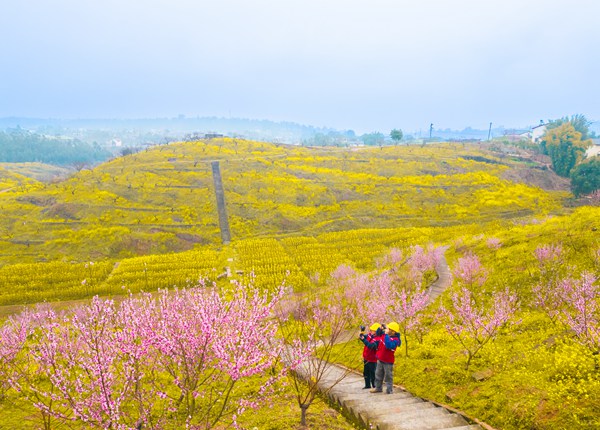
(430,421)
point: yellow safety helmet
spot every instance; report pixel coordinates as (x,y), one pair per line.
(374,326)
(394,326)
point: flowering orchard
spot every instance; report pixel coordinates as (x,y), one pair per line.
(569,295)
(580,310)
(181,359)
(538,349)
(301,261)
(161,200)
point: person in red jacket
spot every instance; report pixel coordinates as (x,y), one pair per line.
(386,347)
(369,354)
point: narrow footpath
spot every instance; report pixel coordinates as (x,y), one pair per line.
(444,278)
(398,411)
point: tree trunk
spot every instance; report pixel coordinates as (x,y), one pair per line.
(303,410)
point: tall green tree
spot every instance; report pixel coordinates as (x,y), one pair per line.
(585,177)
(373,139)
(396,135)
(565,147)
(579,122)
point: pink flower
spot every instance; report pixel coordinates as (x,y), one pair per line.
(469,271)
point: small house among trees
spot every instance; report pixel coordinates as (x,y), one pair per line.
(594,150)
(538,131)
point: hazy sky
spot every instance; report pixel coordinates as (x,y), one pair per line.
(366,65)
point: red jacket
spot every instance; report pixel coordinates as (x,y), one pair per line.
(386,347)
(369,352)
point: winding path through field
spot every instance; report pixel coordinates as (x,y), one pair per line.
(444,278)
(400,410)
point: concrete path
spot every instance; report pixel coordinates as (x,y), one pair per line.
(378,411)
(444,279)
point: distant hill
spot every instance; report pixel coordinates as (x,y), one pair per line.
(162,199)
(158,130)
(21,146)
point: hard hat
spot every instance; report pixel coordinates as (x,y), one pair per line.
(394,326)
(374,326)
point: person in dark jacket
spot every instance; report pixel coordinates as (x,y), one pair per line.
(369,355)
(386,347)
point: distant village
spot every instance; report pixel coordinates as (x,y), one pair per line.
(123,136)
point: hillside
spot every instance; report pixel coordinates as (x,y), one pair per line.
(10,179)
(527,378)
(147,221)
(162,200)
(38,171)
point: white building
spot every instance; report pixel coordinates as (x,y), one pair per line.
(594,150)
(537,132)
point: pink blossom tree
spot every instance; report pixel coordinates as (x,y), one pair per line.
(551,266)
(398,291)
(309,346)
(548,256)
(223,338)
(470,272)
(135,319)
(412,294)
(493,243)
(358,292)
(423,263)
(34,338)
(178,359)
(474,325)
(86,378)
(581,311)
(407,310)
(394,258)
(376,307)
(13,335)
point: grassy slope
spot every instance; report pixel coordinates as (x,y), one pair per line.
(161,200)
(38,171)
(11,179)
(308,204)
(536,374)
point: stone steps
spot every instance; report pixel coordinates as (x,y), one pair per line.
(379,411)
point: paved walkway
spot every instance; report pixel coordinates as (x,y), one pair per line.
(398,411)
(444,279)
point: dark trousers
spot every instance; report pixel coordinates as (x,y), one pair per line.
(369,373)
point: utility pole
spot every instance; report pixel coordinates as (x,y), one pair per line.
(490,131)
(220,194)
(430,130)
